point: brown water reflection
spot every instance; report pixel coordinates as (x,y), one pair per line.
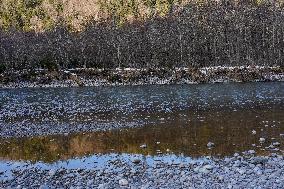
(181,132)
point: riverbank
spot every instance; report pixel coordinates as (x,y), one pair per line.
(129,76)
(137,171)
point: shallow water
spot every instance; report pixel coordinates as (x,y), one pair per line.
(178,119)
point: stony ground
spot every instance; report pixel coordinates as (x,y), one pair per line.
(131,76)
(136,171)
(244,170)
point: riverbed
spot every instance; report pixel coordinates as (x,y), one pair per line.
(123,136)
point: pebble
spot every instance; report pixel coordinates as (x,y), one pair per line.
(261,140)
(44,187)
(258,160)
(276,144)
(123,182)
(164,173)
(210,144)
(251,152)
(241,171)
(136,161)
(143,146)
(51,172)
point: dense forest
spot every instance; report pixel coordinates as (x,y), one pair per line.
(60,34)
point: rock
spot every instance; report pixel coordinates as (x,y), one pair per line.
(123,182)
(102,186)
(51,172)
(205,169)
(257,170)
(210,144)
(276,144)
(208,167)
(143,146)
(220,178)
(196,169)
(258,160)
(90,182)
(136,161)
(181,165)
(251,152)
(271,146)
(237,163)
(241,171)
(253,132)
(261,140)
(44,186)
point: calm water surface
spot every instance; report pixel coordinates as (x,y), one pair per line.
(176,119)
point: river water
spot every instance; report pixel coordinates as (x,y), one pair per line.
(167,119)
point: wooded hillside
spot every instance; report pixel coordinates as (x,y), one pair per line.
(139,33)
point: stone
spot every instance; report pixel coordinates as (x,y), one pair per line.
(261,140)
(123,182)
(203,170)
(136,161)
(208,167)
(220,178)
(102,186)
(276,143)
(51,172)
(237,163)
(90,182)
(258,160)
(251,152)
(241,171)
(44,187)
(210,144)
(196,169)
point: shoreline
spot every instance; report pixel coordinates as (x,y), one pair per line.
(138,171)
(91,77)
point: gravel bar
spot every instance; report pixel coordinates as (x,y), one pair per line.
(137,171)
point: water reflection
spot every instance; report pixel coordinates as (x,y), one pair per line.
(179,132)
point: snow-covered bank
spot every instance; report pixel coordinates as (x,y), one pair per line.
(132,76)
